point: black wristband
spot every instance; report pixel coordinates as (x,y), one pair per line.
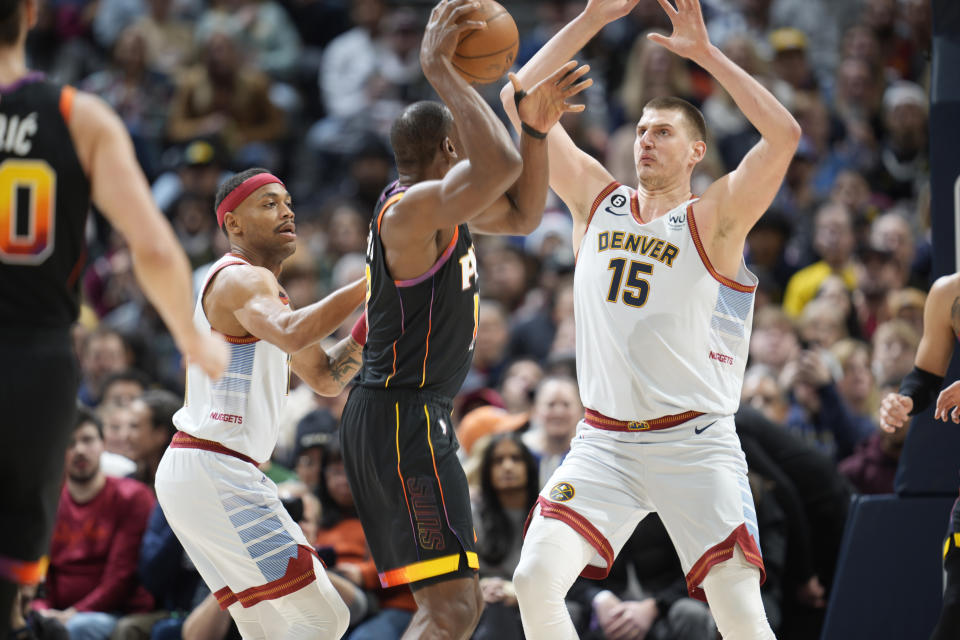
(922,387)
(527,129)
(517,97)
(530,131)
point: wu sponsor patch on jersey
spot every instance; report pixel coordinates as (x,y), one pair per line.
(562,491)
(676,220)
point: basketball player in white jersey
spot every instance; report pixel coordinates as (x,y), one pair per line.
(226,513)
(663,305)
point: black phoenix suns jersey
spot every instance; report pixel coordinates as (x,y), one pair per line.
(420,332)
(44,199)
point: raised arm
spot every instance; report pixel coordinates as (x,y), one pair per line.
(245,300)
(492,163)
(574,175)
(520,210)
(741,197)
(121,192)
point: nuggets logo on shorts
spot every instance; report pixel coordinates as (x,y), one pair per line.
(562,492)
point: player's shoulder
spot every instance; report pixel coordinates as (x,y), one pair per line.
(242,277)
(90,120)
(89,106)
(945,289)
(947,282)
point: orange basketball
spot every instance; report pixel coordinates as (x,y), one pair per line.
(484,55)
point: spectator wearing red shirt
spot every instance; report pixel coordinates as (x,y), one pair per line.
(92,578)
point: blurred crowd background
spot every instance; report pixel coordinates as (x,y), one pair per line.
(309,88)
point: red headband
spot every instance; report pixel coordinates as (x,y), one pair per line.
(242,190)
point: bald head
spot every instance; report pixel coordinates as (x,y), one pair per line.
(418,133)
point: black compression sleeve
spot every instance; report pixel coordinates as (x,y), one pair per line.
(922,387)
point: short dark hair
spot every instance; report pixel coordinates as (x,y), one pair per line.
(233,182)
(417,133)
(162,404)
(125,375)
(86,416)
(694,119)
(10,11)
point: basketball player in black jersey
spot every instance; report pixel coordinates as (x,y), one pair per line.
(398,441)
(918,390)
(60,150)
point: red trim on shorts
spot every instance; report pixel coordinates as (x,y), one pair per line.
(183,440)
(724,551)
(724,280)
(600,421)
(299,574)
(563,513)
(23,572)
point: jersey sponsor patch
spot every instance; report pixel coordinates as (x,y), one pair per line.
(618,201)
(676,221)
(562,492)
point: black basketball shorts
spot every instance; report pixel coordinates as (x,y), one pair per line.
(400,454)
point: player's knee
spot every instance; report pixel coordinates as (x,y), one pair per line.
(531,577)
(316,616)
(733,592)
(341,617)
(458,614)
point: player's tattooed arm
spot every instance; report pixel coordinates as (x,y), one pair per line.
(328,372)
(344,366)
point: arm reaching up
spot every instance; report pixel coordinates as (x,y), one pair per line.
(741,197)
(492,163)
(574,175)
(521,209)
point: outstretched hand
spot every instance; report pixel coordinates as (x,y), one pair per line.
(542,106)
(689,38)
(444,30)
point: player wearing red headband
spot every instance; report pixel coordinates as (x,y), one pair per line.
(225,512)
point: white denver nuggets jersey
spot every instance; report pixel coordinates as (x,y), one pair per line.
(240,410)
(659,331)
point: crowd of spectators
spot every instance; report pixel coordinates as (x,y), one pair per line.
(308,89)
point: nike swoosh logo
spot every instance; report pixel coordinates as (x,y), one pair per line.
(612,212)
(699,430)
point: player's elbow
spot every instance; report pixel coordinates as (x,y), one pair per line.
(509,167)
(792,131)
(528,221)
(321,387)
(324,385)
